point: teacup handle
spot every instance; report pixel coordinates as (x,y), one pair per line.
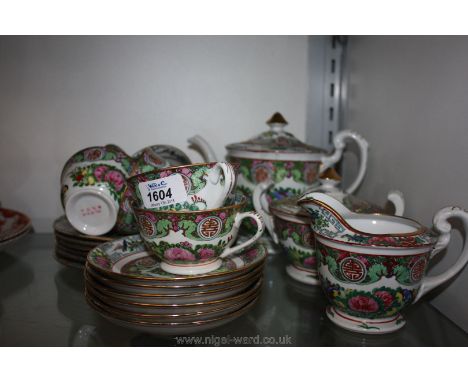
(229,176)
(262,208)
(339,143)
(237,222)
(444,227)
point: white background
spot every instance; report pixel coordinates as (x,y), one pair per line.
(61,94)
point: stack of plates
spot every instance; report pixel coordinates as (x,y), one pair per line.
(126,285)
(13,225)
(71,246)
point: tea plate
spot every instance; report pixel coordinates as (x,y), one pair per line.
(13,225)
(163,329)
(143,306)
(191,297)
(120,311)
(119,289)
(127,259)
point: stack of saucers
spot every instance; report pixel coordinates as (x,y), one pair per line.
(126,285)
(71,246)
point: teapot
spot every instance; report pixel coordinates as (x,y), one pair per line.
(278,157)
(372,266)
(289,224)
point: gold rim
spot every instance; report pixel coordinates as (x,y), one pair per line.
(235,314)
(248,292)
(241,278)
(239,303)
(181,278)
(246,283)
(419,231)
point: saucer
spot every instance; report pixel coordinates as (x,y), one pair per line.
(171,329)
(127,259)
(13,225)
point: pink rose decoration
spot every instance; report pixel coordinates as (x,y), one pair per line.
(186,244)
(99,172)
(103,262)
(310,262)
(179,254)
(199,218)
(163,174)
(206,253)
(386,297)
(116,178)
(93,154)
(363,304)
(186,171)
(222,215)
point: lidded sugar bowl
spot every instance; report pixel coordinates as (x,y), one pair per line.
(290,224)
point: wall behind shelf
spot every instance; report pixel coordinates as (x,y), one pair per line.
(61,94)
(408,97)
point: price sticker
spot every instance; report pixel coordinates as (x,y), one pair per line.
(163,192)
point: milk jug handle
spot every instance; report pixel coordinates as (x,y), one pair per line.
(339,144)
(444,227)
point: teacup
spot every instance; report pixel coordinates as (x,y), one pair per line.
(194,242)
(194,187)
(93,183)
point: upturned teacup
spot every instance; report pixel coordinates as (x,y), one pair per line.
(194,187)
(92,186)
(194,242)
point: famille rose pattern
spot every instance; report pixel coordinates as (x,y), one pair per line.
(291,178)
(370,286)
(298,241)
(194,177)
(205,235)
(110,166)
(327,224)
(107,255)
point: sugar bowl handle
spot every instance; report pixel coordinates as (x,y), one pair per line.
(442,225)
(260,228)
(261,206)
(339,143)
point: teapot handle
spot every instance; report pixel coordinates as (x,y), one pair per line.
(201,145)
(261,206)
(444,227)
(339,143)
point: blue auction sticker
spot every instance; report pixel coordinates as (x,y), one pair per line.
(163,192)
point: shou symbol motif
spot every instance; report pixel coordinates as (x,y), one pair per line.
(210,227)
(353,270)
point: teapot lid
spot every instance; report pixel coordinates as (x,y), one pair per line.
(275,141)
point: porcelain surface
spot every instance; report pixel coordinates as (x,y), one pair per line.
(372,266)
(195,241)
(128,259)
(13,226)
(207,185)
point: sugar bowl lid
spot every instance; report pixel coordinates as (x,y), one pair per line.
(276,141)
(328,183)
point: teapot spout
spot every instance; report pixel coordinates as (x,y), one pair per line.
(202,146)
